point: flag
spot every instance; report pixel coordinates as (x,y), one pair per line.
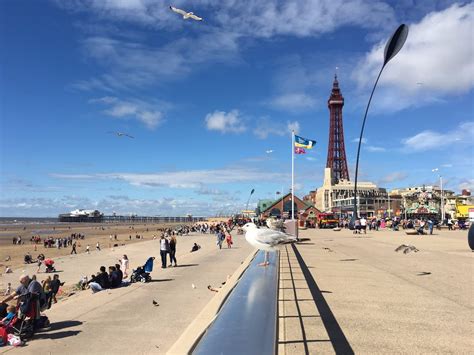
(301,142)
(299,150)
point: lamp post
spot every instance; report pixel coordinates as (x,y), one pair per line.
(442,194)
(393,46)
(248,200)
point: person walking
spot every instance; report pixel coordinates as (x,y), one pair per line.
(55,285)
(73,251)
(430,225)
(48,290)
(97,246)
(229,241)
(88,250)
(164,247)
(172,245)
(125,264)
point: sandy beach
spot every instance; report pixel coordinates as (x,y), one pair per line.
(94,232)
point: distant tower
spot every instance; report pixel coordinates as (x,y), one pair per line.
(336,151)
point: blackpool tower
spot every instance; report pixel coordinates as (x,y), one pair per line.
(336,160)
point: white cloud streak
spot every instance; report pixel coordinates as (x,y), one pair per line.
(183,179)
(430,140)
(436,61)
(146,113)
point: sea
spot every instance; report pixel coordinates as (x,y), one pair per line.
(8,221)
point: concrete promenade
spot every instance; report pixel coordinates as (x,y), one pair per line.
(124,320)
(346,293)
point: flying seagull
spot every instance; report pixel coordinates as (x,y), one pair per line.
(266,239)
(185,14)
(121,134)
(269,151)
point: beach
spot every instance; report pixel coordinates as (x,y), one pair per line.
(94,232)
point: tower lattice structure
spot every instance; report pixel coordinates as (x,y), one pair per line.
(336,159)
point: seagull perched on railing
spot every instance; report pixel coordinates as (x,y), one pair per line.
(121,134)
(266,239)
(185,14)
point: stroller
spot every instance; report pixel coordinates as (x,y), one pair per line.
(142,273)
(28,318)
(49,263)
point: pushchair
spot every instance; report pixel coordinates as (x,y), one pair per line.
(28,318)
(49,263)
(142,273)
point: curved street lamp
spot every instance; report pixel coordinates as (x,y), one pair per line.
(392,47)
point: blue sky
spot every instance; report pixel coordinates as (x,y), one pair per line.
(206,100)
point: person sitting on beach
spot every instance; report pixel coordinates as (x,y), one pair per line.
(196,247)
(119,272)
(114,277)
(100,281)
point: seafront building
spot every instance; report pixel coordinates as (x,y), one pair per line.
(337,193)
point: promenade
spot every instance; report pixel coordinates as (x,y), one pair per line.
(124,320)
(339,293)
(353,293)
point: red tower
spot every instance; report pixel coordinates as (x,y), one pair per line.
(336,151)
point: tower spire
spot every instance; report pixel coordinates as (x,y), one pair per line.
(336,159)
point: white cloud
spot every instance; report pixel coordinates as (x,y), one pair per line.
(293,102)
(436,61)
(375,149)
(230,122)
(430,140)
(394,177)
(146,113)
(188,179)
(356,140)
(266,127)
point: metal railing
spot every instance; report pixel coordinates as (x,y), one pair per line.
(247,323)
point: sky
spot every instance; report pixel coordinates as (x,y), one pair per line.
(206,100)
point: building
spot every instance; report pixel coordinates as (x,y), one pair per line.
(337,193)
(336,159)
(338,197)
(424,201)
(281,208)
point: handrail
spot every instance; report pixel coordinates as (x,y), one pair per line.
(247,322)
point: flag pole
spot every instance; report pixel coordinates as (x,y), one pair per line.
(292,175)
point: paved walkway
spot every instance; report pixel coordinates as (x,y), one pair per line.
(124,320)
(345,293)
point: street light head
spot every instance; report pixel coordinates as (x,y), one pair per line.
(395,43)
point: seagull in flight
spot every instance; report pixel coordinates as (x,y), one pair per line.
(121,134)
(186,15)
(269,151)
(266,239)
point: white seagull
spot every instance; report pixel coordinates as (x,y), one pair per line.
(266,239)
(269,151)
(121,134)
(185,14)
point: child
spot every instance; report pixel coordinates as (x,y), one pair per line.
(88,251)
(10,315)
(8,290)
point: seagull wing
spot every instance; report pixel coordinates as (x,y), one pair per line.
(272,237)
(128,135)
(194,17)
(178,11)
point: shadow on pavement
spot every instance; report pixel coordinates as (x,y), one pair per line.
(57,335)
(187,265)
(161,280)
(61,325)
(336,335)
